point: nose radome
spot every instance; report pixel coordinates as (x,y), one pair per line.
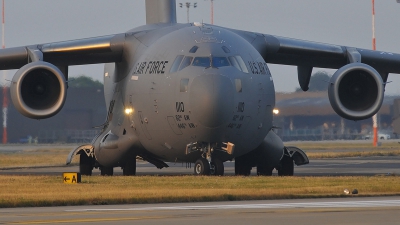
(211,99)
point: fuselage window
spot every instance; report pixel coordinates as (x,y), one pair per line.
(220,62)
(176,64)
(184,85)
(226,49)
(193,49)
(201,61)
(238,85)
(186,62)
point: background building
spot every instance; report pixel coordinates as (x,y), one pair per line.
(83,110)
(309,116)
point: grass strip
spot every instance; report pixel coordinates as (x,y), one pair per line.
(32,191)
(325,155)
(347,145)
(37,157)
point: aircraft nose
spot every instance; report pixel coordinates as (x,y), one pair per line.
(211,99)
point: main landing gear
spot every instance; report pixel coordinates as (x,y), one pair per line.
(130,168)
(286,167)
(85,164)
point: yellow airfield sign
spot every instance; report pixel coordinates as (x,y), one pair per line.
(71,178)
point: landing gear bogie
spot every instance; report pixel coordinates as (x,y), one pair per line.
(264,170)
(286,167)
(85,165)
(106,171)
(130,168)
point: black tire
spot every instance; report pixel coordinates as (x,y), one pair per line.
(217,167)
(85,165)
(286,167)
(241,169)
(202,167)
(129,168)
(106,171)
(264,171)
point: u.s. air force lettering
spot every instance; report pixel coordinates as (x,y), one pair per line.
(152,67)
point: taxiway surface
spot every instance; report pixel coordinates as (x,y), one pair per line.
(357,166)
(300,212)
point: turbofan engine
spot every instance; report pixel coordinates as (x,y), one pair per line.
(38,90)
(356,91)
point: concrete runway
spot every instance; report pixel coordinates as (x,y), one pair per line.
(357,166)
(300,212)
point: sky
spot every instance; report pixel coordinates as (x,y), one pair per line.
(341,22)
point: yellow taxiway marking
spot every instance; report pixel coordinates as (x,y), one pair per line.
(88,220)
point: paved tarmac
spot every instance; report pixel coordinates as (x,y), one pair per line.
(351,210)
(357,166)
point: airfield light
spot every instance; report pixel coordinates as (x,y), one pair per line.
(5,88)
(188,5)
(275,111)
(128,111)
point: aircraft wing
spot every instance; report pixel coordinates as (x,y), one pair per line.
(307,54)
(38,88)
(76,52)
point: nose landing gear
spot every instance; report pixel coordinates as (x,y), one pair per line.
(207,164)
(204,167)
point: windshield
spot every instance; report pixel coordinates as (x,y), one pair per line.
(220,62)
(201,61)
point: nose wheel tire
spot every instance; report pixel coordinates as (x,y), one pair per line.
(217,167)
(202,167)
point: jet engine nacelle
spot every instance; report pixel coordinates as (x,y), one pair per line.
(38,90)
(356,91)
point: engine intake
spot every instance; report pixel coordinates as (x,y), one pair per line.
(356,91)
(38,90)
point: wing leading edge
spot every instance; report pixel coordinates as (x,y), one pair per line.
(76,52)
(289,51)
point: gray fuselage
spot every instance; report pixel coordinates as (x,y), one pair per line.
(191,84)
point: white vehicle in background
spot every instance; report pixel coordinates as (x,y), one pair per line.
(381,136)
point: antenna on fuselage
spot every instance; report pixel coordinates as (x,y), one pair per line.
(160,11)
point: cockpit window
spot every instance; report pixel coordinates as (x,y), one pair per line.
(186,62)
(193,49)
(234,62)
(238,63)
(176,64)
(241,63)
(220,62)
(201,61)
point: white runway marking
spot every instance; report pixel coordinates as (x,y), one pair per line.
(337,164)
(342,204)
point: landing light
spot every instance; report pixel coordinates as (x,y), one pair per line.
(275,111)
(128,111)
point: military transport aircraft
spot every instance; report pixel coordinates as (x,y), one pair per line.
(194,93)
